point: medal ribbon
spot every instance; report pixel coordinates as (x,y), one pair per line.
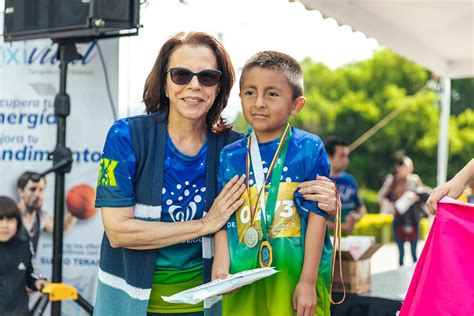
(275,171)
(337,249)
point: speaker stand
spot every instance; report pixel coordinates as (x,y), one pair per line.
(62,164)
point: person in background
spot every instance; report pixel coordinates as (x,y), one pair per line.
(353,208)
(398,196)
(453,188)
(35,220)
(15,264)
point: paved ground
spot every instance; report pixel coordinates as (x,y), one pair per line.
(386,258)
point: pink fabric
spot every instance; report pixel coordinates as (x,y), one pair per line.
(443,281)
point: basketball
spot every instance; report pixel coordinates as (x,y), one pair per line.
(80,201)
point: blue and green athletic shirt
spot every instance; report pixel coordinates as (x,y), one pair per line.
(306,158)
(177,267)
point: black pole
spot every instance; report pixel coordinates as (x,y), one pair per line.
(62,107)
(81,301)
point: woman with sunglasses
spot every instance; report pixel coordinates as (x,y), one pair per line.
(157,182)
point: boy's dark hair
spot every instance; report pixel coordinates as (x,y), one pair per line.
(26,177)
(9,209)
(332,142)
(283,63)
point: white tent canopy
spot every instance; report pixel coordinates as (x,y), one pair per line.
(437,34)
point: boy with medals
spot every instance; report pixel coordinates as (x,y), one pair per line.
(275,227)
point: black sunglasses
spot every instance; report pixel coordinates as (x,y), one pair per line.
(182,76)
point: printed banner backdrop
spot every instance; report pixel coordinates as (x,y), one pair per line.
(29,81)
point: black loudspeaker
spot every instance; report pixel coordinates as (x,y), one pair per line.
(70,19)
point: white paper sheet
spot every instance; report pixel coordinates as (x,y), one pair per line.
(219,286)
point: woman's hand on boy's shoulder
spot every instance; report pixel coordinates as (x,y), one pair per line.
(323,191)
(224,205)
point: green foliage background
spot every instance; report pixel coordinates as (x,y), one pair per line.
(351,99)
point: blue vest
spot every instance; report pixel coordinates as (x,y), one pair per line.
(125,275)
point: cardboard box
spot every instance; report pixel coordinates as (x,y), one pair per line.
(356,252)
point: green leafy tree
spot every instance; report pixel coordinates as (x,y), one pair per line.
(350,100)
(462,95)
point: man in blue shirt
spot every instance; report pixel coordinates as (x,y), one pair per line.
(353,207)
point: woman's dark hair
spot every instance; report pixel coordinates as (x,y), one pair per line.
(9,209)
(154,93)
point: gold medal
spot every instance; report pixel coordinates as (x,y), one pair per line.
(265,255)
(251,237)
